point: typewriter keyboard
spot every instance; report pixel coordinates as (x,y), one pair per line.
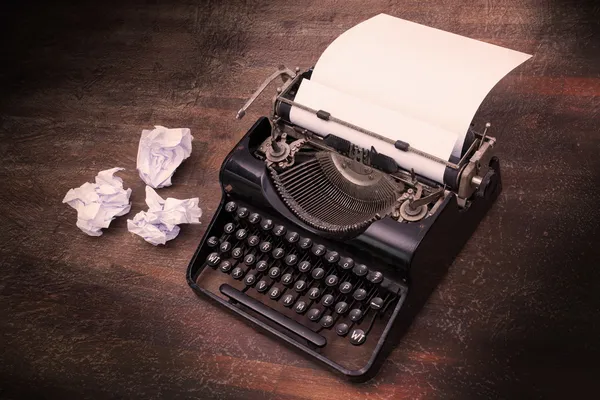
(287,277)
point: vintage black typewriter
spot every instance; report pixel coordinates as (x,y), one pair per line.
(331,247)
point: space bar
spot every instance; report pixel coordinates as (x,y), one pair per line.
(273,315)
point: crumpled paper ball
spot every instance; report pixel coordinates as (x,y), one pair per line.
(97,204)
(160,152)
(158,225)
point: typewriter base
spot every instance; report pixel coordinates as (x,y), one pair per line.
(439,240)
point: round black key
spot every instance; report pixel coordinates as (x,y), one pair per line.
(291,260)
(331,280)
(254,218)
(237,253)
(327,300)
(318,250)
(241,234)
(332,257)
(274,293)
(341,307)
(376,303)
(358,337)
(346,263)
(262,286)
(360,269)
(355,315)
(342,329)
(314,293)
(265,247)
(278,253)
(287,279)
(237,273)
(292,237)
(225,247)
(231,206)
(242,212)
(327,321)
(229,228)
(314,314)
(253,240)
(250,259)
(266,224)
(274,272)
(213,259)
(304,266)
(225,266)
(346,287)
(262,266)
(279,230)
(300,307)
(318,273)
(288,300)
(374,276)
(250,279)
(359,294)
(300,286)
(212,241)
(305,243)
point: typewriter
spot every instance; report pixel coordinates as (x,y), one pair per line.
(330,247)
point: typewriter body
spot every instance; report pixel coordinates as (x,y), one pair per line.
(330,247)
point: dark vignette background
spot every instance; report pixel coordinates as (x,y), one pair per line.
(111,317)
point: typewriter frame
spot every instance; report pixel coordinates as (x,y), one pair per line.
(423,251)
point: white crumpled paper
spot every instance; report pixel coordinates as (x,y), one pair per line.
(159,224)
(97,204)
(160,152)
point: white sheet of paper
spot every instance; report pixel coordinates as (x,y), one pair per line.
(158,225)
(423,73)
(378,119)
(160,152)
(97,204)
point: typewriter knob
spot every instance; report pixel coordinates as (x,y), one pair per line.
(488,184)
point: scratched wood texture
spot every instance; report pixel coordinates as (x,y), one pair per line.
(518,315)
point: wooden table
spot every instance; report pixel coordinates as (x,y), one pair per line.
(518,315)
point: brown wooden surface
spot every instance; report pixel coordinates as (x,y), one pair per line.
(112,317)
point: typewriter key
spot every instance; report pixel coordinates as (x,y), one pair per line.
(358,337)
(254,218)
(225,247)
(253,240)
(275,293)
(249,259)
(327,300)
(278,253)
(225,266)
(279,230)
(360,270)
(262,286)
(376,303)
(327,321)
(230,207)
(229,228)
(314,293)
(331,280)
(375,277)
(341,307)
(292,237)
(346,287)
(266,224)
(288,300)
(291,260)
(359,294)
(237,273)
(355,315)
(314,314)
(305,243)
(287,279)
(241,234)
(300,307)
(300,286)
(249,279)
(266,247)
(212,241)
(304,266)
(319,250)
(342,329)
(213,259)
(346,263)
(332,257)
(262,266)
(242,212)
(318,273)
(237,253)
(274,272)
